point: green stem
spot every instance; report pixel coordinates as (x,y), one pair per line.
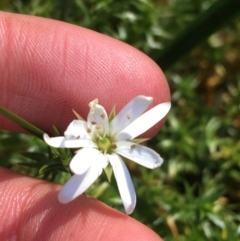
(21,122)
(205,25)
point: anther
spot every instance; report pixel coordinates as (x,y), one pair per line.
(103,116)
(114,146)
(133,147)
(89,130)
(93,122)
(128,117)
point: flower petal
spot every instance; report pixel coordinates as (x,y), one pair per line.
(139,154)
(78,184)
(145,121)
(63,142)
(77,129)
(85,158)
(97,115)
(124,182)
(129,113)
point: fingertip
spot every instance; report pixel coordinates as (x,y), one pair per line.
(51,67)
(30,211)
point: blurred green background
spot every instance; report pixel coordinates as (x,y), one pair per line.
(195,195)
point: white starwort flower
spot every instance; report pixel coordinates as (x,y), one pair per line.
(103,140)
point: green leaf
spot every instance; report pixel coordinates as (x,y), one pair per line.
(77,115)
(140,140)
(56,131)
(29,164)
(53,167)
(36,156)
(97,192)
(108,171)
(112,114)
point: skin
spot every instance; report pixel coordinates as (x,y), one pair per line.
(47,68)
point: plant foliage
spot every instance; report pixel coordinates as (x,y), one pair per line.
(195,194)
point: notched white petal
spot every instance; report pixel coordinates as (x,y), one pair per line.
(80,163)
(85,158)
(129,113)
(124,182)
(98,116)
(77,129)
(77,143)
(63,142)
(78,184)
(145,121)
(55,141)
(139,154)
(93,104)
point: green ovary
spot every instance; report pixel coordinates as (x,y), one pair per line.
(104,144)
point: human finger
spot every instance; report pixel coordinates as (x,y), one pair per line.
(49,68)
(30,211)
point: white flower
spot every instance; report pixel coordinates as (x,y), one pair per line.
(103,140)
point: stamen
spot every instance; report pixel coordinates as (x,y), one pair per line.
(98,127)
(89,130)
(93,122)
(128,117)
(133,147)
(103,115)
(114,146)
(78,137)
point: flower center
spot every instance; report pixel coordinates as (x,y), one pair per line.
(104,144)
